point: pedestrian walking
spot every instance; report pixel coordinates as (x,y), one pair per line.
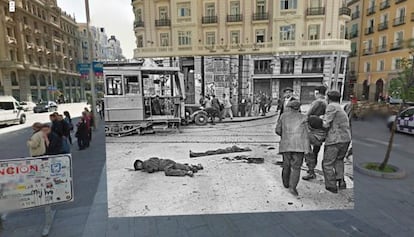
(87,119)
(269,103)
(294,144)
(54,145)
(37,143)
(66,134)
(82,134)
(227,107)
(102,111)
(68,120)
(249,107)
(242,107)
(262,103)
(317,108)
(336,144)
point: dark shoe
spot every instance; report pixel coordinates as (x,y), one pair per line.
(310,176)
(341,184)
(200,167)
(332,190)
(294,192)
(190,173)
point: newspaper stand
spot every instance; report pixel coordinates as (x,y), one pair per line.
(27,183)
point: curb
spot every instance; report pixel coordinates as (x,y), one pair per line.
(399,174)
(249,119)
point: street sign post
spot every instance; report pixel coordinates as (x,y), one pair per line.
(83,68)
(32,182)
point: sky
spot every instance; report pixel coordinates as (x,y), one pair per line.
(116,16)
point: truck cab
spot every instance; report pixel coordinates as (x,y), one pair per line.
(10,111)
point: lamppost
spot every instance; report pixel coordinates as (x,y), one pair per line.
(91,75)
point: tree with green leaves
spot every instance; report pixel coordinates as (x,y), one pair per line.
(401,87)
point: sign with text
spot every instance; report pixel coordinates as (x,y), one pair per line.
(35,181)
(83,68)
(98,68)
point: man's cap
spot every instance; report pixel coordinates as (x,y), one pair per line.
(288,89)
(294,104)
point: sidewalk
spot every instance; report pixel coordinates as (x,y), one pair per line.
(270,114)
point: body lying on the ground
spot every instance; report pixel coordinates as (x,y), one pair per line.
(170,167)
(232,149)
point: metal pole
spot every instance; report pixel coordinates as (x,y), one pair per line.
(91,75)
(337,68)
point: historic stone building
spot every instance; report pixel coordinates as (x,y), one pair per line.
(39,52)
(243,47)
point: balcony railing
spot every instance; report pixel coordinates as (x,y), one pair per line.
(381,48)
(397,45)
(383,26)
(315,11)
(353,53)
(235,18)
(370,10)
(260,16)
(367,51)
(399,21)
(289,70)
(355,15)
(312,70)
(163,22)
(345,11)
(138,24)
(399,1)
(263,71)
(209,19)
(369,30)
(353,34)
(384,4)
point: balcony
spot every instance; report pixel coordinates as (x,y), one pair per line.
(371,11)
(384,4)
(367,51)
(353,34)
(235,18)
(345,11)
(315,11)
(399,1)
(11,40)
(381,48)
(397,45)
(355,15)
(263,71)
(260,16)
(289,70)
(312,70)
(383,26)
(198,48)
(369,30)
(353,54)
(209,19)
(138,23)
(399,21)
(163,22)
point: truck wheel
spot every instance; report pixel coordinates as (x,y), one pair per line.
(200,119)
(22,119)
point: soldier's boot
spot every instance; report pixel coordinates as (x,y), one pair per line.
(311,175)
(341,183)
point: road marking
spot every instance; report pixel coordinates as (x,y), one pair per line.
(357,141)
(380,142)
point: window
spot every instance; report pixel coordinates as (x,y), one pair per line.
(235,8)
(313,65)
(163,11)
(184,38)
(260,36)
(13,78)
(211,38)
(262,67)
(114,85)
(235,37)
(407,113)
(287,66)
(184,9)
(164,39)
(399,36)
(12,58)
(210,9)
(7,105)
(140,41)
(383,41)
(315,3)
(260,6)
(287,32)
(314,32)
(400,12)
(132,85)
(380,65)
(367,67)
(384,18)
(396,64)
(288,4)
(9,32)
(25,20)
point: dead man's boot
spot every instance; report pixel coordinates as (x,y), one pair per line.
(341,183)
(311,175)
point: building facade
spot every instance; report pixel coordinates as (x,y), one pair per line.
(114,49)
(39,51)
(386,29)
(244,47)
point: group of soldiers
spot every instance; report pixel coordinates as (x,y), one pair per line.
(302,136)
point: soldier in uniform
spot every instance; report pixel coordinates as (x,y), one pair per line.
(336,144)
(170,167)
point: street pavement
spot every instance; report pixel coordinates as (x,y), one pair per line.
(382,207)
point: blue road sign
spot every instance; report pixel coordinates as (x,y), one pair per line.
(83,68)
(97,68)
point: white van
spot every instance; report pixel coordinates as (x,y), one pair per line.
(10,111)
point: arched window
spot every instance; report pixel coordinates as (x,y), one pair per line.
(33,80)
(42,80)
(379,89)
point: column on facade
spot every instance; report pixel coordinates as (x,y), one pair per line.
(24,85)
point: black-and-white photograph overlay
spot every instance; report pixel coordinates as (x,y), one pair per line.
(178,144)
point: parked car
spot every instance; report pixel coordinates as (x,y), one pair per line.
(405,121)
(10,111)
(46,106)
(27,105)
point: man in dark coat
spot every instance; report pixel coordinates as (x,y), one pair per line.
(317,108)
(215,103)
(288,96)
(262,103)
(156,106)
(336,144)
(54,142)
(170,167)
(294,144)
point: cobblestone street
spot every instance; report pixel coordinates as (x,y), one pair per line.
(223,186)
